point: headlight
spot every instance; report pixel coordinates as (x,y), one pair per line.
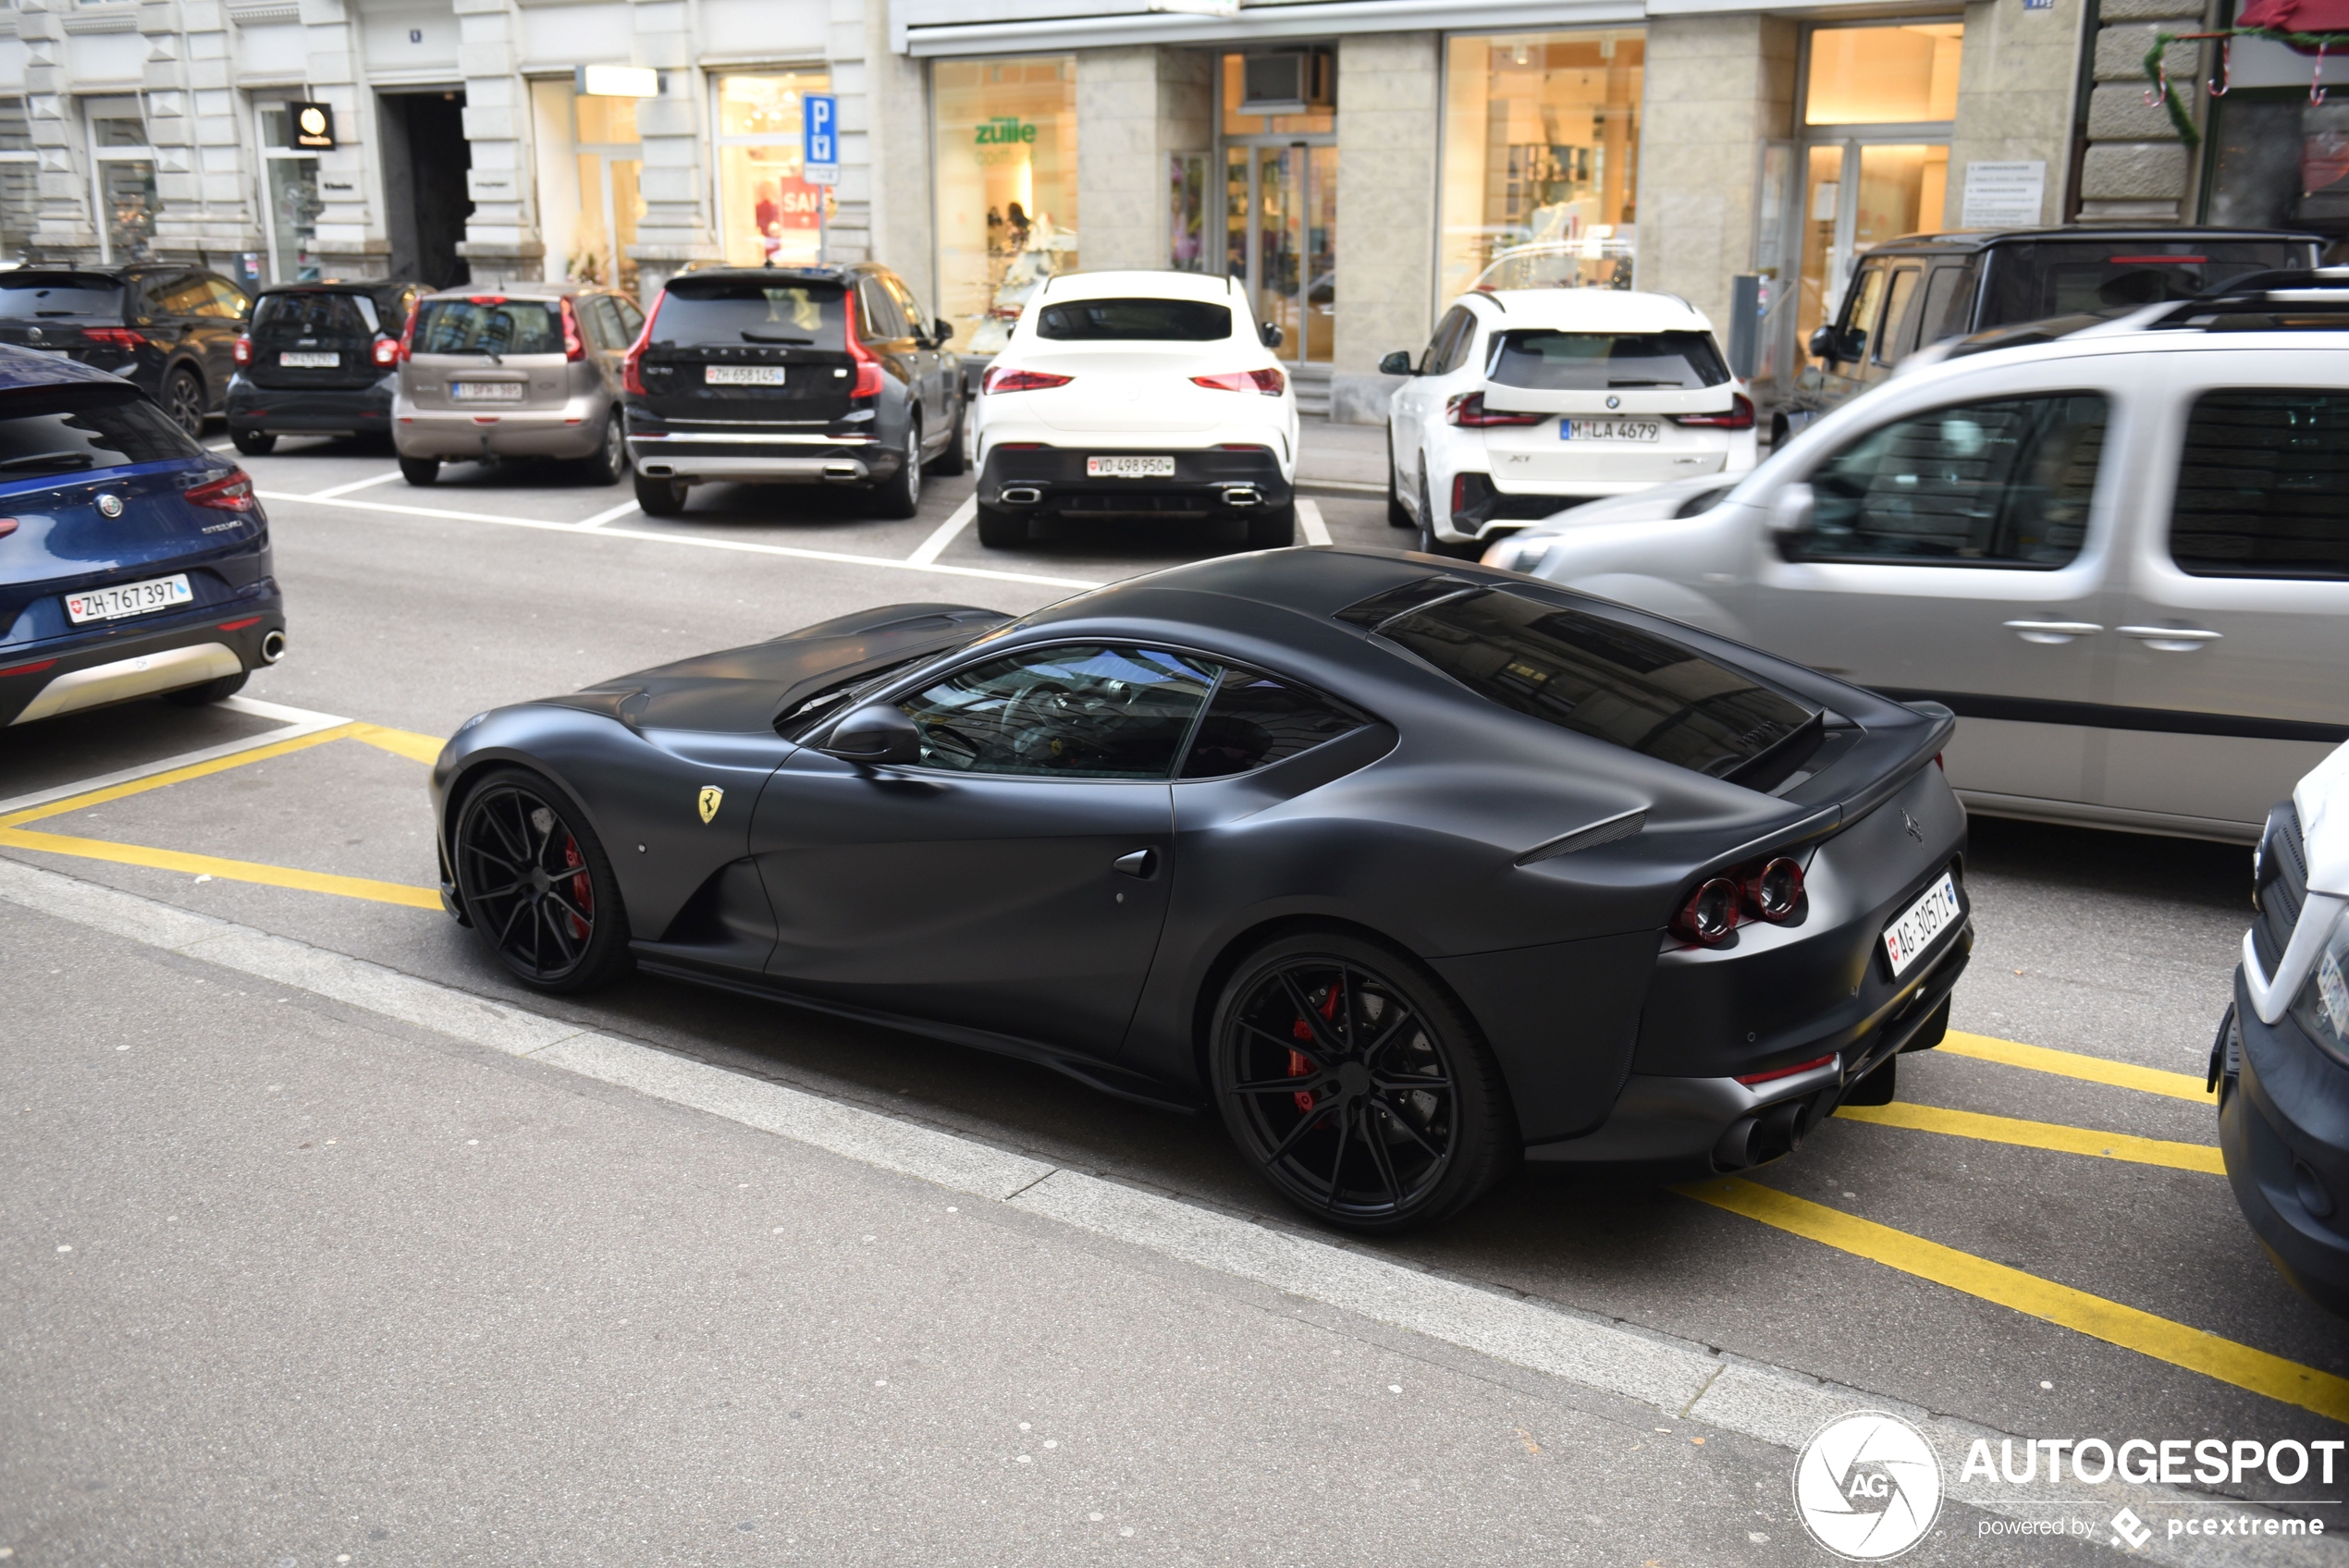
(470,722)
(2323,1007)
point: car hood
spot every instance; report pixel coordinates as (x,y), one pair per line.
(747,689)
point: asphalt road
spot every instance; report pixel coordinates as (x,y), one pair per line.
(344,1287)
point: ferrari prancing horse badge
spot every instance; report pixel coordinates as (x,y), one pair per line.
(710,795)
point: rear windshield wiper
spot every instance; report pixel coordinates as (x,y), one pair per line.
(48,459)
(1674,382)
(751,335)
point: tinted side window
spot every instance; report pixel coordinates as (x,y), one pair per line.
(62,430)
(180,295)
(1867,303)
(1447,334)
(1080,712)
(905,298)
(1949,293)
(881,320)
(2261,484)
(228,301)
(1999,483)
(631,318)
(602,320)
(1896,335)
(1256,720)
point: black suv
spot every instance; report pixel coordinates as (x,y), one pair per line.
(1911,293)
(321,359)
(170,331)
(791,376)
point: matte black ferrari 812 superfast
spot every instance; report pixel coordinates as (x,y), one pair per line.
(1413,869)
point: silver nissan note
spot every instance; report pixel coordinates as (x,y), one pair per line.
(524,371)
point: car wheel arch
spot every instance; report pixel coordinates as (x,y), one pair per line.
(479,766)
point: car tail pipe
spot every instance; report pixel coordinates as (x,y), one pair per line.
(1022,495)
(1240,494)
(842,472)
(272,646)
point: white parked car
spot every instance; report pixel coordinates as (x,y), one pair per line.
(2122,558)
(1127,395)
(1528,400)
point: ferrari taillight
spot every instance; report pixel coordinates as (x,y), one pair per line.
(1710,915)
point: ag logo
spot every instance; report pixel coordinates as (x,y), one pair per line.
(1868,1485)
(710,795)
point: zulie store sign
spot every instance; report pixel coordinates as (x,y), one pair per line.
(1005,130)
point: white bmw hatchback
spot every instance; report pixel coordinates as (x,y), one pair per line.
(1135,395)
(1531,400)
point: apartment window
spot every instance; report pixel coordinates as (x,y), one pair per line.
(291,205)
(122,178)
(1005,176)
(1541,156)
(766,211)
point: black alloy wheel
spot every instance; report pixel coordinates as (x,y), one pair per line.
(1398,514)
(1355,1086)
(610,460)
(538,885)
(420,471)
(901,493)
(659,497)
(956,456)
(254,442)
(183,401)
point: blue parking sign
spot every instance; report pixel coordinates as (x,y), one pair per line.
(819,122)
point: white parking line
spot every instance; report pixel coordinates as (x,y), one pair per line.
(1680,1379)
(691,541)
(943,535)
(372,480)
(1308,518)
(612,515)
(297,722)
(222,447)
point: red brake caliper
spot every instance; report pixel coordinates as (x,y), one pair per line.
(1300,1065)
(583,887)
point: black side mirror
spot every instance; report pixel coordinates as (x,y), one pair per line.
(1396,363)
(1823,344)
(1270,334)
(877,734)
(941,332)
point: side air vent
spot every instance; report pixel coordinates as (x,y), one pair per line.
(1591,837)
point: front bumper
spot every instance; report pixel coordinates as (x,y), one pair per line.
(1052,481)
(575,429)
(760,458)
(66,674)
(306,410)
(2289,1167)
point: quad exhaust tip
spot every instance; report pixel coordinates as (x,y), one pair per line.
(272,646)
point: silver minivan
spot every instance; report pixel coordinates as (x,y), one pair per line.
(522,370)
(2122,557)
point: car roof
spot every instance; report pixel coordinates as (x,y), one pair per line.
(839,275)
(21,369)
(1967,241)
(1166,284)
(342,286)
(517,291)
(1592,309)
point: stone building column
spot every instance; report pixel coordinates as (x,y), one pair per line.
(1717,88)
(2135,169)
(501,242)
(2017,81)
(67,229)
(1390,91)
(897,108)
(353,240)
(1136,106)
(676,231)
(854,39)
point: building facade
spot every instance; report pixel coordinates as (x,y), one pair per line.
(1357,162)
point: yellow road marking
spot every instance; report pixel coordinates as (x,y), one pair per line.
(2073,1064)
(425,749)
(2225,1360)
(174,775)
(2039,1135)
(227,869)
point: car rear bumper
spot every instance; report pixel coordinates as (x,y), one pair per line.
(2289,1167)
(68,674)
(1051,481)
(749,458)
(295,410)
(576,430)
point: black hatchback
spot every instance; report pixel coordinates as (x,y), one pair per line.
(321,359)
(170,331)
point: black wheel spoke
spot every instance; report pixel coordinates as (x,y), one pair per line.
(1407,1083)
(1387,1035)
(564,943)
(1310,1014)
(1310,1050)
(1282,1085)
(1296,1134)
(506,929)
(1394,1114)
(497,892)
(570,908)
(1346,1112)
(500,862)
(1379,1157)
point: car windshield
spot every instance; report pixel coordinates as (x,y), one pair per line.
(2055,277)
(315,313)
(60,294)
(1596,677)
(791,311)
(1599,362)
(74,428)
(1135,321)
(489,324)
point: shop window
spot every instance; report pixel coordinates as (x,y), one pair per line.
(122,175)
(1541,148)
(1006,182)
(1186,213)
(590,166)
(290,204)
(2278,161)
(1884,75)
(767,213)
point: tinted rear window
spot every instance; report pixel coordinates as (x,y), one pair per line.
(1135,321)
(489,323)
(1598,677)
(1255,720)
(315,316)
(1599,362)
(72,429)
(737,311)
(2260,482)
(60,294)
(2062,278)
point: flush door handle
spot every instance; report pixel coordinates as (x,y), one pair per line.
(2052,632)
(2172,639)
(1142,864)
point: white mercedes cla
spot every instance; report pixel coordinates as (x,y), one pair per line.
(1528,401)
(1126,395)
